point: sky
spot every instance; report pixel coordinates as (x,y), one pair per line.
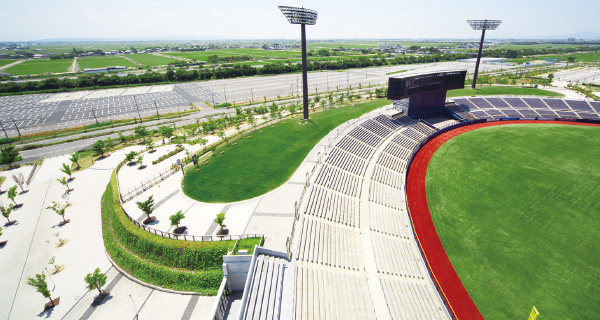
(261,19)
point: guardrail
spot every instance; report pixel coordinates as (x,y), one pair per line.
(31,173)
(220,305)
(151,182)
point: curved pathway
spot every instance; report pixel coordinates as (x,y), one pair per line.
(449,284)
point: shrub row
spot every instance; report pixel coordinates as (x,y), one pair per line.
(168,155)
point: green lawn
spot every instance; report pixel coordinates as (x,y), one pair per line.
(519,60)
(40,66)
(516,208)
(585,57)
(500,90)
(150,59)
(266,160)
(252,52)
(103,61)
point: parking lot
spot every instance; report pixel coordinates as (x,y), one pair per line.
(45,112)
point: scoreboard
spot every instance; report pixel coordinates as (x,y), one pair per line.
(426,91)
(406,86)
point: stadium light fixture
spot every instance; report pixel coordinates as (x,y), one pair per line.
(302,16)
(482,25)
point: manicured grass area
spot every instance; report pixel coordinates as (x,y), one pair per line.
(499,90)
(103,61)
(266,160)
(519,60)
(585,57)
(5,62)
(40,66)
(516,208)
(150,59)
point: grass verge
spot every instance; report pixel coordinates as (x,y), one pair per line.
(516,210)
(263,160)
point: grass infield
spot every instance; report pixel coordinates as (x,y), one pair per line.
(266,160)
(40,66)
(516,208)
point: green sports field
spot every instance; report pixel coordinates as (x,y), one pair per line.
(516,208)
(103,61)
(150,59)
(266,160)
(5,62)
(40,66)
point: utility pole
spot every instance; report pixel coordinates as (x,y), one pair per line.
(156,107)
(94,114)
(138,109)
(16,127)
(7,139)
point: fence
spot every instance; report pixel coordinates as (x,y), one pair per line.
(35,165)
(148,184)
(220,305)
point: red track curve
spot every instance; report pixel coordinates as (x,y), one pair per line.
(459,303)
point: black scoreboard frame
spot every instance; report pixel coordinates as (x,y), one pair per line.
(426,91)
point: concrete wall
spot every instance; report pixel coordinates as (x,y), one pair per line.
(236,269)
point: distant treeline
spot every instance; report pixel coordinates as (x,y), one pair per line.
(511,54)
(89,81)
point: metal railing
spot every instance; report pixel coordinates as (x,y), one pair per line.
(220,305)
(151,182)
(35,165)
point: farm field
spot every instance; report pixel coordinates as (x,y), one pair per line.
(40,66)
(150,59)
(265,161)
(252,52)
(516,210)
(580,57)
(103,61)
(5,62)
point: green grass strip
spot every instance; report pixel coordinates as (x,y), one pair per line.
(267,159)
(501,90)
(516,208)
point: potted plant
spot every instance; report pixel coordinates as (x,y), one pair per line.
(2,243)
(65,183)
(6,211)
(12,194)
(66,169)
(147,208)
(41,286)
(96,280)
(140,158)
(220,219)
(130,157)
(60,210)
(175,220)
(20,180)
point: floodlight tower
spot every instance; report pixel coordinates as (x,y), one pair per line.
(302,17)
(482,25)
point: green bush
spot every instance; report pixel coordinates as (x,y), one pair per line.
(168,155)
(223,105)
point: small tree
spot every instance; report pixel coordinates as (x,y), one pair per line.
(65,183)
(99,148)
(9,155)
(176,218)
(149,144)
(12,194)
(166,132)
(41,286)
(551,77)
(6,211)
(60,210)
(66,169)
(19,180)
(203,142)
(140,160)
(130,156)
(238,128)
(221,134)
(141,132)
(75,159)
(220,219)
(146,206)
(96,280)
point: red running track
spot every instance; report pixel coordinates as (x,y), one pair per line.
(459,303)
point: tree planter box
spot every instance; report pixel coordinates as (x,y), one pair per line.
(142,167)
(49,305)
(24,191)
(149,220)
(62,223)
(152,151)
(3,243)
(180,230)
(10,223)
(223,232)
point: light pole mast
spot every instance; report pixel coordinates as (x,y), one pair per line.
(482,25)
(302,17)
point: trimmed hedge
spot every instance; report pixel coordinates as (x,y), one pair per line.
(168,155)
(157,260)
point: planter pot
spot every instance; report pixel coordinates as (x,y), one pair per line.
(25,191)
(180,230)
(142,167)
(10,223)
(149,220)
(49,305)
(152,151)
(16,206)
(223,232)
(3,243)
(72,178)
(62,223)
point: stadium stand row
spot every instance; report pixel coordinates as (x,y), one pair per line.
(531,108)
(327,243)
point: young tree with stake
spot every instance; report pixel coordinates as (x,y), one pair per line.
(147,208)
(20,180)
(41,286)
(176,219)
(220,219)
(6,211)
(65,183)
(66,169)
(12,194)
(60,210)
(96,280)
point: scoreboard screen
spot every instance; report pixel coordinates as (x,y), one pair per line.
(405,86)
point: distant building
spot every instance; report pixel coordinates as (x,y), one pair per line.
(107,69)
(571,40)
(38,56)
(386,46)
(4,74)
